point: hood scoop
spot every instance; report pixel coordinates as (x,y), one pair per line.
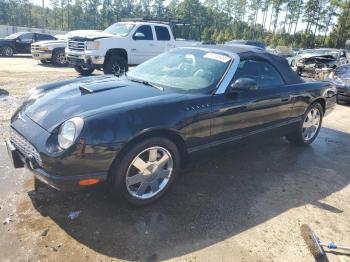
(100,86)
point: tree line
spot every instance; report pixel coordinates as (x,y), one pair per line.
(325,22)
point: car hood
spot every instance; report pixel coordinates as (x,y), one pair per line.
(318,56)
(51,42)
(55,103)
(90,35)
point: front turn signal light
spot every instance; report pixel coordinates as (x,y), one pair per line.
(89,182)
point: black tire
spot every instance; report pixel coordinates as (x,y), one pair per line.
(7,51)
(297,136)
(84,71)
(115,65)
(59,58)
(120,168)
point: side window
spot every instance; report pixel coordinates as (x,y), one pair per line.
(42,37)
(27,38)
(144,32)
(262,72)
(162,33)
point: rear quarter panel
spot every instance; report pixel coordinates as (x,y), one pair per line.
(308,92)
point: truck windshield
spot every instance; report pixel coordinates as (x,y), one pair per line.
(120,29)
(184,69)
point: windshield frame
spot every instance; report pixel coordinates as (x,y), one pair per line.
(121,23)
(221,84)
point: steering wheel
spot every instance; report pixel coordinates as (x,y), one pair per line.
(206,74)
(188,64)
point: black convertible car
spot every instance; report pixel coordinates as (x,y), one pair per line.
(19,43)
(136,131)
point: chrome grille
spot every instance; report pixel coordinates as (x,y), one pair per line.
(76,45)
(23,146)
(35,47)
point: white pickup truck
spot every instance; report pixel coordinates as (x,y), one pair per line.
(120,45)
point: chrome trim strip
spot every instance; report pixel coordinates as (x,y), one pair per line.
(229,75)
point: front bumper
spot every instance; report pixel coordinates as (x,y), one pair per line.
(81,59)
(62,183)
(42,55)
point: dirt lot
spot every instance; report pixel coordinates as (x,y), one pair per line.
(243,204)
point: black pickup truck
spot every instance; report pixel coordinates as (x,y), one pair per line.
(19,43)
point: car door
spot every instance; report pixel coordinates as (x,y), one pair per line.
(142,45)
(164,40)
(23,43)
(245,112)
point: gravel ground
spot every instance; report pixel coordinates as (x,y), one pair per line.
(242,204)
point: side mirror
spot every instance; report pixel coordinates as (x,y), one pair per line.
(139,36)
(244,84)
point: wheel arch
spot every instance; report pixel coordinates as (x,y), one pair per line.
(172,135)
(322,102)
(117,51)
(10,45)
(57,49)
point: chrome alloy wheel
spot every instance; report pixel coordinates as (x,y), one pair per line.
(311,124)
(7,51)
(61,59)
(118,70)
(149,172)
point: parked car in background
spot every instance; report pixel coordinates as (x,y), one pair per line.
(120,45)
(300,54)
(284,51)
(136,131)
(19,43)
(340,77)
(323,58)
(247,42)
(54,50)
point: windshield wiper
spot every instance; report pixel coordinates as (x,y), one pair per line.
(146,83)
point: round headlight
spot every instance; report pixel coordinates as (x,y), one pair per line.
(69,131)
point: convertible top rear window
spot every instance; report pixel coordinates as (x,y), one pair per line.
(189,70)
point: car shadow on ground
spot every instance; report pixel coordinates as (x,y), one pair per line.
(17,56)
(220,194)
(51,65)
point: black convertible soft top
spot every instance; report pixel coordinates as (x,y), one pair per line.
(247,52)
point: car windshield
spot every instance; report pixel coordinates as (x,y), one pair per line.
(121,29)
(185,69)
(13,36)
(306,51)
(327,52)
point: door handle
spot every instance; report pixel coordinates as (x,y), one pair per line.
(285,99)
(151,44)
